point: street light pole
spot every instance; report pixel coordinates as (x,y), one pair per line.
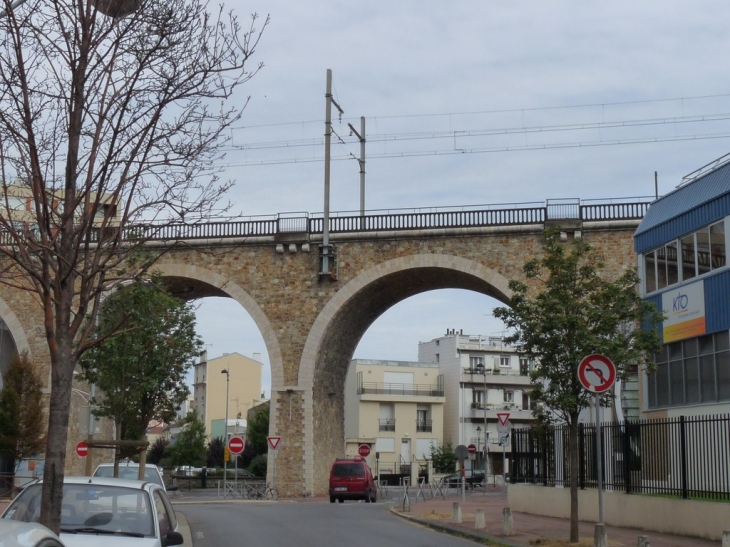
(225,434)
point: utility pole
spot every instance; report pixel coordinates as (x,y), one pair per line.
(225,435)
(327,138)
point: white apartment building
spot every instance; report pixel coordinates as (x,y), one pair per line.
(483,378)
(395,408)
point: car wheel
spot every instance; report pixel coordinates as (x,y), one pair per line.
(340,500)
(332,499)
(375,497)
(367,496)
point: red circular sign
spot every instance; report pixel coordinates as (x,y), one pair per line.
(472,449)
(82,449)
(597,373)
(363,450)
(236,445)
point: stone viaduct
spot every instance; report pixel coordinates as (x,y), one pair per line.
(311,323)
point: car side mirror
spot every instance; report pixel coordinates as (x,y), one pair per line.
(172,538)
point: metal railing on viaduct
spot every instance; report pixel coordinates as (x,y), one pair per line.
(401,219)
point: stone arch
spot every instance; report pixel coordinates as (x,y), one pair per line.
(15,328)
(209,283)
(340,326)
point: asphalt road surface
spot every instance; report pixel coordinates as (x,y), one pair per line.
(288,524)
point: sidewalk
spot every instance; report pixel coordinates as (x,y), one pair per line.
(437,513)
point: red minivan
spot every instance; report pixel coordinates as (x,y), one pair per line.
(352,480)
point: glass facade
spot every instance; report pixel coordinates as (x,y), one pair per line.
(701,252)
(692,371)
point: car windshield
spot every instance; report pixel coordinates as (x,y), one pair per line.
(126,472)
(349,470)
(91,508)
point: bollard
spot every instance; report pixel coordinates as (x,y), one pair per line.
(480,521)
(600,539)
(508,525)
(643,541)
(456,518)
(725,538)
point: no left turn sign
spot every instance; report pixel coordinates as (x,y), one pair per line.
(597,373)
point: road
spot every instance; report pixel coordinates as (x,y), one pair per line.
(312,524)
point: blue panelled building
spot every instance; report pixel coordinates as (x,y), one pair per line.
(681,245)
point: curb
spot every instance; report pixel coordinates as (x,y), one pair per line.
(455,530)
(184,529)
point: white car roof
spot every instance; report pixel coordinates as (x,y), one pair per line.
(109,481)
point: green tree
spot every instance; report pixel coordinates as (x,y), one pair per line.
(156,452)
(573,312)
(257,432)
(443,457)
(110,119)
(147,344)
(22,424)
(188,446)
(216,452)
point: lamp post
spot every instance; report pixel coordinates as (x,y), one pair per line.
(225,434)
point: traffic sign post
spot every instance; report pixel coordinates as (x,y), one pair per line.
(462,452)
(597,374)
(82,449)
(503,431)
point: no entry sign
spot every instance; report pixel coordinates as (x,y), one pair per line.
(472,449)
(363,450)
(236,445)
(597,373)
(82,449)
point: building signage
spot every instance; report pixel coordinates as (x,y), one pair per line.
(684,311)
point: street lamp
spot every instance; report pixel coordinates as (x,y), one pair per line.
(225,429)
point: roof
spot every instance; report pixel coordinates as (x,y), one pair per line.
(695,204)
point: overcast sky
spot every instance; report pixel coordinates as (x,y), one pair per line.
(469,102)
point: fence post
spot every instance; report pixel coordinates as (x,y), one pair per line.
(627,456)
(544,460)
(581,457)
(683,448)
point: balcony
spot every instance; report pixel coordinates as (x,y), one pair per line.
(416,390)
(478,410)
(424,426)
(387,424)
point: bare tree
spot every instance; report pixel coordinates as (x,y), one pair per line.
(109,126)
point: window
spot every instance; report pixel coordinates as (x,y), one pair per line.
(683,259)
(691,371)
(504,362)
(475,362)
(438,358)
(509,396)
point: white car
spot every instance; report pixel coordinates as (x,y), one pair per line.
(26,534)
(100,511)
(130,470)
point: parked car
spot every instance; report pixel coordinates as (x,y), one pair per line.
(352,480)
(130,470)
(103,511)
(472,476)
(26,534)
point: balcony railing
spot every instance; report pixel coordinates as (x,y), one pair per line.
(424,426)
(384,388)
(386,424)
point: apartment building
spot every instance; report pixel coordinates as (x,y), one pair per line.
(483,380)
(395,408)
(242,382)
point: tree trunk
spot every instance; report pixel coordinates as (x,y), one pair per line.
(62,366)
(573,449)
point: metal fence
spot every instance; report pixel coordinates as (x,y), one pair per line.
(687,457)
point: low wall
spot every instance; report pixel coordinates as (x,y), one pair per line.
(701,519)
